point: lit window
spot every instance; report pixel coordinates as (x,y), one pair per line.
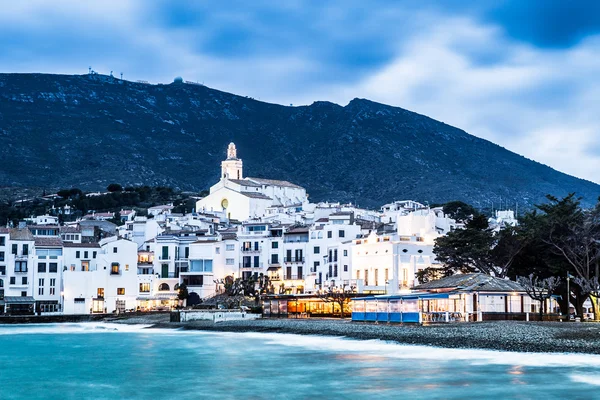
(120,291)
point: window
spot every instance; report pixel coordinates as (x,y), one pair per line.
(53,267)
(1,282)
(1,256)
(41,282)
(145,287)
(317,250)
(2,241)
(85,266)
(14,249)
(256,261)
(163,287)
(53,282)
(346,268)
(121,291)
(12,280)
(229,247)
(315,266)
(345,253)
(341,233)
(366,277)
(217,250)
(94,254)
(41,291)
(274,258)
(335,271)
(2,270)
(274,245)
(20,266)
(41,267)
(100,293)
(23,294)
(52,291)
(114,249)
(85,254)
(329,234)
(229,261)
(165,253)
(78,254)
(126,267)
(201,266)
(25,249)
(386,275)
(115,269)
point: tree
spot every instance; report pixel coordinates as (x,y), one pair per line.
(477,248)
(539,289)
(460,211)
(340,296)
(114,187)
(183,293)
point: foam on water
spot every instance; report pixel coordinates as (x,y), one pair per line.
(590,379)
(69,328)
(403,351)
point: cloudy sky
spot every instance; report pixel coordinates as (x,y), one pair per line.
(523,74)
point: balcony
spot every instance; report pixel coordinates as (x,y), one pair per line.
(251,250)
(293,259)
(250,265)
(164,258)
(287,277)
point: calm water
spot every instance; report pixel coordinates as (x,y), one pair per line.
(103,361)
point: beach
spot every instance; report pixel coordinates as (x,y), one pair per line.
(543,337)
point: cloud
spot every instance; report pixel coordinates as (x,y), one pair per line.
(505,72)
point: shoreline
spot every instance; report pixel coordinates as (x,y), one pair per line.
(514,336)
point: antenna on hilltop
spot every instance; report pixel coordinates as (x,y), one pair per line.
(89,70)
(111,73)
(121,76)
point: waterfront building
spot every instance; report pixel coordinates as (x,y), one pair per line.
(16,270)
(103,282)
(461,297)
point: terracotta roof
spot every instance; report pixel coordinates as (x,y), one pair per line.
(300,229)
(48,242)
(69,229)
(256,195)
(4,230)
(322,220)
(20,234)
(473,283)
(273,182)
(86,245)
(245,182)
(126,212)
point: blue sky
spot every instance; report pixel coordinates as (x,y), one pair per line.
(523,74)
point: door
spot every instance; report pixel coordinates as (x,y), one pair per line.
(79,307)
(165,270)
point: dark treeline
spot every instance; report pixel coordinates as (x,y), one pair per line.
(556,241)
(81,203)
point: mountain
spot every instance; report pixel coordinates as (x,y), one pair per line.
(87,131)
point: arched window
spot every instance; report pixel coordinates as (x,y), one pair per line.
(164,287)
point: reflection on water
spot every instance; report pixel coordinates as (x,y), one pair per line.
(87,361)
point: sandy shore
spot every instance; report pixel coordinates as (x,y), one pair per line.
(500,335)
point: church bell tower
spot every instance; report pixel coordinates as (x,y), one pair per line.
(231,168)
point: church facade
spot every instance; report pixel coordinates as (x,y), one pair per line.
(243,198)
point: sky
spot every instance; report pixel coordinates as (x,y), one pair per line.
(522,74)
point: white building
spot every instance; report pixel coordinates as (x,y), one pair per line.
(244,198)
(100,279)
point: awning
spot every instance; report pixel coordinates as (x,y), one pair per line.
(19,300)
(408,296)
(274,268)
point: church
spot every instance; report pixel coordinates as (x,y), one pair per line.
(243,198)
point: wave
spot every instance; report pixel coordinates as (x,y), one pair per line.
(69,328)
(418,352)
(586,378)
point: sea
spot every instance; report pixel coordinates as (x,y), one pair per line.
(113,361)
